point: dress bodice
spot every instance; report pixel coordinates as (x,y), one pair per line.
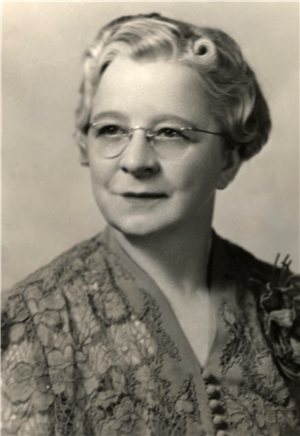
(92,347)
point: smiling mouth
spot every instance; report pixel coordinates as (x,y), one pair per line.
(144,198)
(145,195)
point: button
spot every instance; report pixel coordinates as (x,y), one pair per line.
(218,420)
(212,391)
(214,404)
(221,433)
(206,375)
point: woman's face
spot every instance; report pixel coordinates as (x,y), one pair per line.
(139,192)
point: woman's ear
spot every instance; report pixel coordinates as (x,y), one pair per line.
(81,140)
(231,164)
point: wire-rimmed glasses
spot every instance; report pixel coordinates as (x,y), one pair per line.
(168,142)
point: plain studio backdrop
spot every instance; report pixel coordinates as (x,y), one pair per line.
(47,199)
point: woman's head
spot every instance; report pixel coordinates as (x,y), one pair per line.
(235,99)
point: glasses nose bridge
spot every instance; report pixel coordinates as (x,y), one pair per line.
(148,134)
(138,156)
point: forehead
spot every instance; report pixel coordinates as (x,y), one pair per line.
(150,89)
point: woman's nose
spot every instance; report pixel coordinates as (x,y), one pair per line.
(139,158)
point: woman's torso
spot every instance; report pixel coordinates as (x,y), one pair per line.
(95,349)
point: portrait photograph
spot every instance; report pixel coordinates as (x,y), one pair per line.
(150,219)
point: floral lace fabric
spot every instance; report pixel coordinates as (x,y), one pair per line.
(259,391)
(90,348)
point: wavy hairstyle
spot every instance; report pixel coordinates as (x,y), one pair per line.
(236,100)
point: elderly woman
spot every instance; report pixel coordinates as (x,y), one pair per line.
(158,326)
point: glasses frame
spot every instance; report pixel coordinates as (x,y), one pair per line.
(150,135)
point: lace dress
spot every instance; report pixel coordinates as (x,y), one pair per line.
(92,347)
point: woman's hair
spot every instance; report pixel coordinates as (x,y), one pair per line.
(236,100)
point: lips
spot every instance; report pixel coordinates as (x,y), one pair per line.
(144,195)
(143,199)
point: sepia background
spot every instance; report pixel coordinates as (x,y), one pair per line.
(47,199)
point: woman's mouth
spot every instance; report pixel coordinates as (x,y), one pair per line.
(143,197)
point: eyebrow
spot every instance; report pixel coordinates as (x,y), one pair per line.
(109,114)
(164,117)
(174,118)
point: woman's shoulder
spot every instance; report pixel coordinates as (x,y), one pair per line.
(62,266)
(276,291)
(48,282)
(41,319)
(248,266)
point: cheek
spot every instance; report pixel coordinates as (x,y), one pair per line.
(101,171)
(199,173)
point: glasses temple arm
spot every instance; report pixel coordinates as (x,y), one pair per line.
(206,131)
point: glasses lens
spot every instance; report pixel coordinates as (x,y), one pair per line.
(110,139)
(168,142)
(171,143)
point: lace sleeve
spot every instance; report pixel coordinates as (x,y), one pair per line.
(27,400)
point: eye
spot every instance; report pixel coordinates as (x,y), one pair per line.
(170,133)
(109,131)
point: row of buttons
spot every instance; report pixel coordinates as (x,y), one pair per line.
(214,404)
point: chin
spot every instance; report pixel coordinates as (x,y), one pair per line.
(134,228)
(139,226)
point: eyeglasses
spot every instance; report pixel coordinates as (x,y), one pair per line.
(168,142)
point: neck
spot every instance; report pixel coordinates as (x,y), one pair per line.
(176,260)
